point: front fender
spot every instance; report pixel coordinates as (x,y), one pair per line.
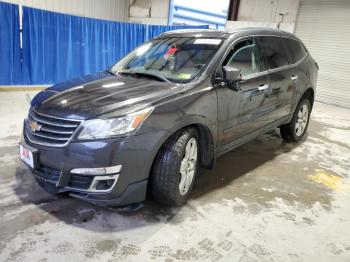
(193,108)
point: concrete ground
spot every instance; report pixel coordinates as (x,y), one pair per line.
(265,201)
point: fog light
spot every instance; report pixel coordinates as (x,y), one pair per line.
(103,183)
(97,171)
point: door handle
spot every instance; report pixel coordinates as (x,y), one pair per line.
(294,77)
(263,87)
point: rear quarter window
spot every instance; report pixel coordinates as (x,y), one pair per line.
(295,49)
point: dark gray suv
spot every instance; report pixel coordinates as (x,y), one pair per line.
(173,104)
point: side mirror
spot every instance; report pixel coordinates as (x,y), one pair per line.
(231,74)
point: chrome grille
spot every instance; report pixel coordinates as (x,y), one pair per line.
(53,131)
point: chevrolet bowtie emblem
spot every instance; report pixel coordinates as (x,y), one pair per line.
(34,126)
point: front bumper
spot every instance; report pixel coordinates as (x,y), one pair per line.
(134,153)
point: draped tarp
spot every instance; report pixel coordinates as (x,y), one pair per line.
(57,47)
(10,53)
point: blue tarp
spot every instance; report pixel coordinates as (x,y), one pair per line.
(57,47)
(10,53)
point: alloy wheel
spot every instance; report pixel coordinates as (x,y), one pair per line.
(302,119)
(188,166)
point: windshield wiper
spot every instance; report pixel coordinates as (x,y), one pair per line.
(142,74)
(110,72)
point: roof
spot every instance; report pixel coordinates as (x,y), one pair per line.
(261,30)
(226,33)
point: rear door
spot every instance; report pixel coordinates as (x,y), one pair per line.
(246,108)
(283,77)
(299,73)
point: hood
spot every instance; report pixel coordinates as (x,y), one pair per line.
(101,93)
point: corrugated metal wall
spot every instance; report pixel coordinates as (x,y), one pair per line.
(116,10)
(323,25)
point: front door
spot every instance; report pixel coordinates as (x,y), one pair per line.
(246,107)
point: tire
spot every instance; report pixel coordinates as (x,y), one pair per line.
(296,129)
(174,169)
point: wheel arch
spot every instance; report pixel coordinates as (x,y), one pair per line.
(206,147)
(309,93)
(206,143)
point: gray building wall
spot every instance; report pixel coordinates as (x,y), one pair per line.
(264,13)
(268,10)
(149,12)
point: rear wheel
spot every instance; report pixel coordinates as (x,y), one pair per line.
(296,129)
(175,168)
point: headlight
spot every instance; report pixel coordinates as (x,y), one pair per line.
(103,128)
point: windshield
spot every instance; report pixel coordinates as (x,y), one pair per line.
(176,59)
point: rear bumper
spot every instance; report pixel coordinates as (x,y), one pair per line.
(134,153)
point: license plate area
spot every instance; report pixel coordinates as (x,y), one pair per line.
(29,156)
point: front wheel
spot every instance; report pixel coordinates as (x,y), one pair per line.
(175,168)
(296,129)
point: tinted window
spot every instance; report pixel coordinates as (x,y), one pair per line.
(244,56)
(274,51)
(295,48)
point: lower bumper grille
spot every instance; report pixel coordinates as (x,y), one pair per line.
(80,182)
(52,175)
(48,174)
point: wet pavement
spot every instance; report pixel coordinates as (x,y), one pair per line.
(265,201)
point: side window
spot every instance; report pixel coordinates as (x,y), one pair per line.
(245,56)
(295,48)
(274,51)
